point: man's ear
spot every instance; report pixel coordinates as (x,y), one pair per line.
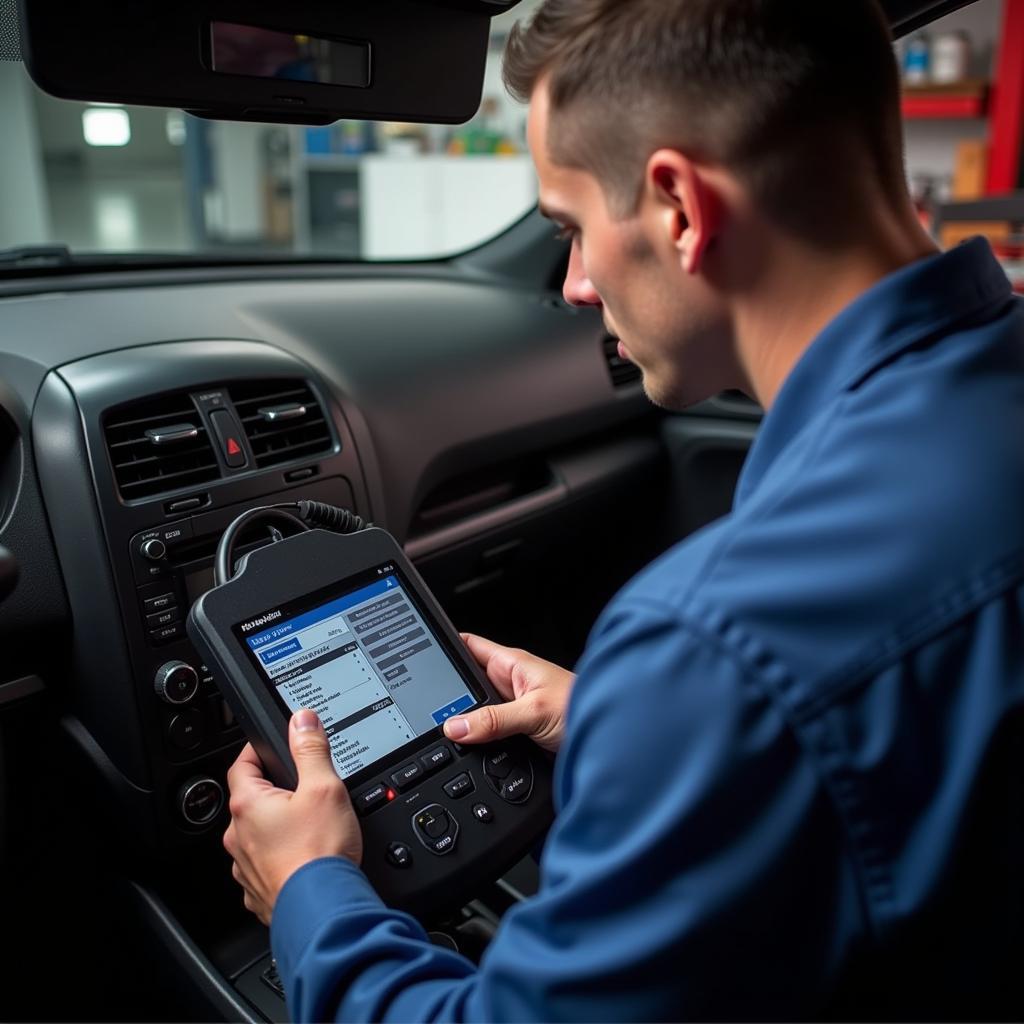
(689,206)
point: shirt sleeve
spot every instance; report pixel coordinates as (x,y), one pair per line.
(695,870)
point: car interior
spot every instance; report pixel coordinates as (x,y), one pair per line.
(454,400)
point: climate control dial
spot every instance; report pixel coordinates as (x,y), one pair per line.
(200,800)
(176,682)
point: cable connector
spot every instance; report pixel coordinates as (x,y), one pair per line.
(330,517)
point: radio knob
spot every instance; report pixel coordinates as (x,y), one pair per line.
(154,549)
(176,682)
(200,800)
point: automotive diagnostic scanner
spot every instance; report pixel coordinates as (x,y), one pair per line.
(344,625)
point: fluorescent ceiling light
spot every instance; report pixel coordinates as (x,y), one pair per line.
(106,126)
(175,127)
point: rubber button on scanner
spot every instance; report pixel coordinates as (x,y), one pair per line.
(498,763)
(399,855)
(436,758)
(459,786)
(433,822)
(436,829)
(517,786)
(407,775)
(371,799)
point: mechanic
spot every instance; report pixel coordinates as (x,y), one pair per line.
(789,773)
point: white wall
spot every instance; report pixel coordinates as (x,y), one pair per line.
(24,214)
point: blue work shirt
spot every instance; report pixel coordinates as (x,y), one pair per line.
(792,782)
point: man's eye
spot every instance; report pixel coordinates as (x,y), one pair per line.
(566,234)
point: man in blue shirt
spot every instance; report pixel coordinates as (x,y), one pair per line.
(789,776)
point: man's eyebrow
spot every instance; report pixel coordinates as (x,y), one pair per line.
(558,216)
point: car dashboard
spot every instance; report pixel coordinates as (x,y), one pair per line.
(491,429)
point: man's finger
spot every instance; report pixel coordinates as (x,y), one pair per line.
(497,661)
(311,749)
(248,768)
(493,722)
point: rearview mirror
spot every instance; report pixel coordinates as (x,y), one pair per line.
(302,62)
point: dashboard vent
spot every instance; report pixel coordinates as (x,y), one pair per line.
(282,419)
(622,371)
(159,445)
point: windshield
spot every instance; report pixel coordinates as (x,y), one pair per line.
(121,179)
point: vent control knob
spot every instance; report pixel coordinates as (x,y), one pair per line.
(200,800)
(176,682)
(154,549)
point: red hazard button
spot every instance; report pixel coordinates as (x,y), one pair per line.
(226,430)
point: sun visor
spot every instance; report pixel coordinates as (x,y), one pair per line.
(301,62)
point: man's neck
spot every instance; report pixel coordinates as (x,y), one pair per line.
(802,291)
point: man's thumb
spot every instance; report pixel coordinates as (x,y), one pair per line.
(491,722)
(311,750)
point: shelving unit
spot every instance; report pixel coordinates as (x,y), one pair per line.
(991,113)
(960,100)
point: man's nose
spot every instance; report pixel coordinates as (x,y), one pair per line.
(578,290)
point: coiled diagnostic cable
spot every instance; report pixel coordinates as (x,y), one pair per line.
(305,515)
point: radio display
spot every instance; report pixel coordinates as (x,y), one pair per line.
(365,659)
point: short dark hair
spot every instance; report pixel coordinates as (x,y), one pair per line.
(799,98)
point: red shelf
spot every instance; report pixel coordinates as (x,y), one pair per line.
(970,99)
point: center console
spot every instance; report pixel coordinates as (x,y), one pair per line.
(145,456)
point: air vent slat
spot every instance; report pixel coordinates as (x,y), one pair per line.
(148,442)
(284,428)
(165,478)
(182,412)
(284,440)
(271,397)
(143,469)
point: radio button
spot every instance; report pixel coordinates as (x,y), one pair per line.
(165,633)
(159,603)
(407,775)
(460,786)
(371,799)
(399,855)
(436,758)
(186,730)
(163,618)
(174,533)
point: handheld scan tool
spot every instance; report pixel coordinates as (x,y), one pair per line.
(343,624)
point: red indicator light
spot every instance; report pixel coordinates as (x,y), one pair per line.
(391,794)
(233,447)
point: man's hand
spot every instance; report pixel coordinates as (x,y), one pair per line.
(537,692)
(274,832)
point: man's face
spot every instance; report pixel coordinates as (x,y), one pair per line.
(667,321)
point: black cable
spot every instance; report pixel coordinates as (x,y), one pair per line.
(303,514)
(224,565)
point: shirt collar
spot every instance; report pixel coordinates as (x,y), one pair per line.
(922,298)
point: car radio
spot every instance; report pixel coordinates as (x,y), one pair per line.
(343,624)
